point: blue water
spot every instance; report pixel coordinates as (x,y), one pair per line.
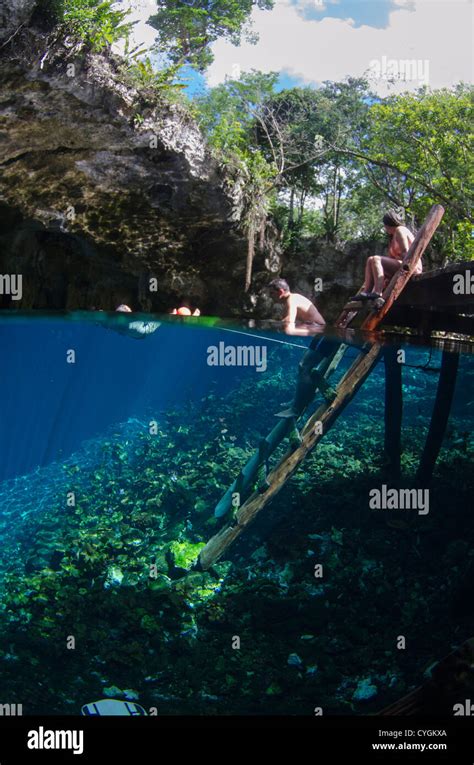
(49,407)
(85,425)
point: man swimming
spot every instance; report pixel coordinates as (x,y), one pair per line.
(298,307)
(378,268)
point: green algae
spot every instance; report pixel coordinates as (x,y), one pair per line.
(185,554)
(147,504)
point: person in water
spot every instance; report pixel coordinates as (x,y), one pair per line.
(297,307)
(184,310)
(378,268)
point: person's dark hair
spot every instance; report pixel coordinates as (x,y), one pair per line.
(279,284)
(392,218)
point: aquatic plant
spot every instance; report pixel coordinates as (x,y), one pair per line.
(113,570)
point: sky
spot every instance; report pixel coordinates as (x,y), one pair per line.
(400,44)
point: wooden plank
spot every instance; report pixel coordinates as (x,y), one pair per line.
(434,290)
(248,474)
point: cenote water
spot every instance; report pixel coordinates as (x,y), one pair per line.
(116,448)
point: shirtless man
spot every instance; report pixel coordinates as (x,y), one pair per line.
(379,268)
(298,307)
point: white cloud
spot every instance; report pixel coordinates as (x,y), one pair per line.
(142,34)
(437,31)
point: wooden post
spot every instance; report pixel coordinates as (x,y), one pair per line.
(393,410)
(440,415)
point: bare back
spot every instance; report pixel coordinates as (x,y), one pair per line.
(400,243)
(300,308)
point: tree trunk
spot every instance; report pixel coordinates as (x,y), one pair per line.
(291,210)
(250,256)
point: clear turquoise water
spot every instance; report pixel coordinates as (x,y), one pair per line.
(84,427)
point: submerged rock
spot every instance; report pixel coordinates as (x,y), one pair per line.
(114,577)
(365,690)
(294,660)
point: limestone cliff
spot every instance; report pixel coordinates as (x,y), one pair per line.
(99,190)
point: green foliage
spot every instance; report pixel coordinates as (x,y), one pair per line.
(420,147)
(351,153)
(463,241)
(96,22)
(228,114)
(187,31)
(153,84)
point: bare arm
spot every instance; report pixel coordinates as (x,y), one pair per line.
(291,311)
(319,317)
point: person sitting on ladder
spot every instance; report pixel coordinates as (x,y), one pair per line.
(378,268)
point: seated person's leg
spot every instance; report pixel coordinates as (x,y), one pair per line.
(385,269)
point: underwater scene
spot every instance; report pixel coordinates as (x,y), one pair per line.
(118,441)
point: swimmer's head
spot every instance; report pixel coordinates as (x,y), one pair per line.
(124,308)
(184,311)
(279,289)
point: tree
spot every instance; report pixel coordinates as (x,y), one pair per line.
(98,22)
(416,152)
(228,114)
(298,127)
(187,28)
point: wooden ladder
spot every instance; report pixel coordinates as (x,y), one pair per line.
(327,414)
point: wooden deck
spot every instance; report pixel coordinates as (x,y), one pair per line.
(429,301)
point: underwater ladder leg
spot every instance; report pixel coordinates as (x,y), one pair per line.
(440,415)
(326,415)
(393,411)
(245,481)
